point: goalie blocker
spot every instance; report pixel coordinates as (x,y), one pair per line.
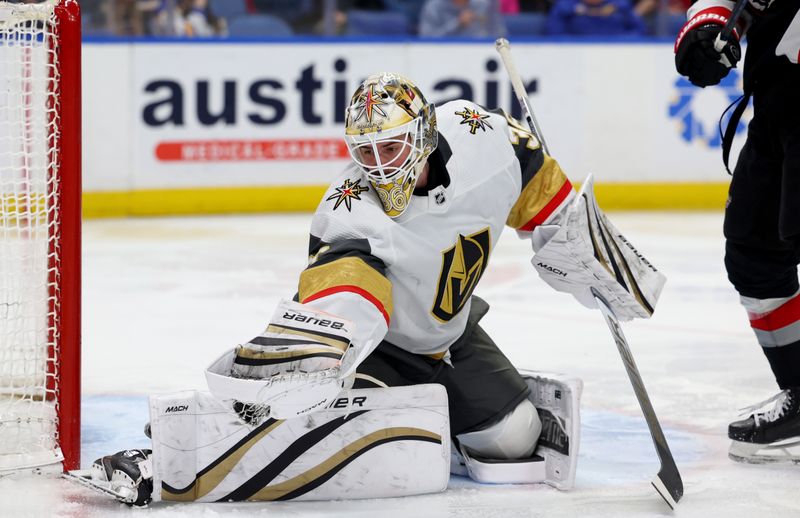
(586,252)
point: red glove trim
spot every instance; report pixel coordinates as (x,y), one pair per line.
(713,15)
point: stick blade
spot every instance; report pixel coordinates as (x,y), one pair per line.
(670,486)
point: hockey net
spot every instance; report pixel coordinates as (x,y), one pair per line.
(39,235)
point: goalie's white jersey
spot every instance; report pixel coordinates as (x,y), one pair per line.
(409,279)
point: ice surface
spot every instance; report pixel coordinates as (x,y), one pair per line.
(163,297)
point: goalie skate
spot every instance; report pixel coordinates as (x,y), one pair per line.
(126,475)
(84,478)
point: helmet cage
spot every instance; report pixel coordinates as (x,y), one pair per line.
(368,152)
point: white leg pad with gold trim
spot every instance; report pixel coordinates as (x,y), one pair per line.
(368,443)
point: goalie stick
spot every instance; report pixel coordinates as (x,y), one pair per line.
(668,481)
(725,34)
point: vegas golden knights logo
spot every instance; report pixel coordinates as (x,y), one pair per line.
(462,267)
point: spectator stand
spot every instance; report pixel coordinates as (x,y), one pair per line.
(411,9)
(377,23)
(259,25)
(525,25)
(229,9)
(360,19)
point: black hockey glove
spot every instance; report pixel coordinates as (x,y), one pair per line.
(697,59)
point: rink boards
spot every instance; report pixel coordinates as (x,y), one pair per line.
(215,127)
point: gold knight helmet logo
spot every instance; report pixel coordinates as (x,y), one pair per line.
(462,267)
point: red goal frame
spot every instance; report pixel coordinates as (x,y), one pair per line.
(66,296)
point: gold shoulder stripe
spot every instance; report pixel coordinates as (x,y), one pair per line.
(347,274)
(208,480)
(544,186)
(323,471)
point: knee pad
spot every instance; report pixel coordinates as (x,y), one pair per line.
(513,437)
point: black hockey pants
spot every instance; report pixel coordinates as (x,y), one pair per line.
(762,217)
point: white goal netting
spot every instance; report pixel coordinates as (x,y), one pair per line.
(29,255)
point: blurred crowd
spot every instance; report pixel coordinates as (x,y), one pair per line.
(424,18)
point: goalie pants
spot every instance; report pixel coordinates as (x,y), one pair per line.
(762,221)
(482,385)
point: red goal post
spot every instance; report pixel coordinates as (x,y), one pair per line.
(40,235)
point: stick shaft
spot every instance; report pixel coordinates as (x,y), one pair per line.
(668,481)
(727,30)
(504,49)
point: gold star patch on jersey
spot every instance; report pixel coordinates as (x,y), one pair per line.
(474,119)
(368,105)
(347,192)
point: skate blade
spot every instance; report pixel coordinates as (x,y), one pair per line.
(84,478)
(786,451)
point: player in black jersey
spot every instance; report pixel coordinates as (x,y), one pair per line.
(762,217)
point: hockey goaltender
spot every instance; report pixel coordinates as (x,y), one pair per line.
(380,366)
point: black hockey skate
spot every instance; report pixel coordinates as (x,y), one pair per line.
(128,474)
(769,435)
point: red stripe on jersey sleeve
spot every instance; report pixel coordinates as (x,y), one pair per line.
(352,289)
(548,209)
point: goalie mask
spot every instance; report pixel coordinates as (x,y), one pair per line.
(390,131)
